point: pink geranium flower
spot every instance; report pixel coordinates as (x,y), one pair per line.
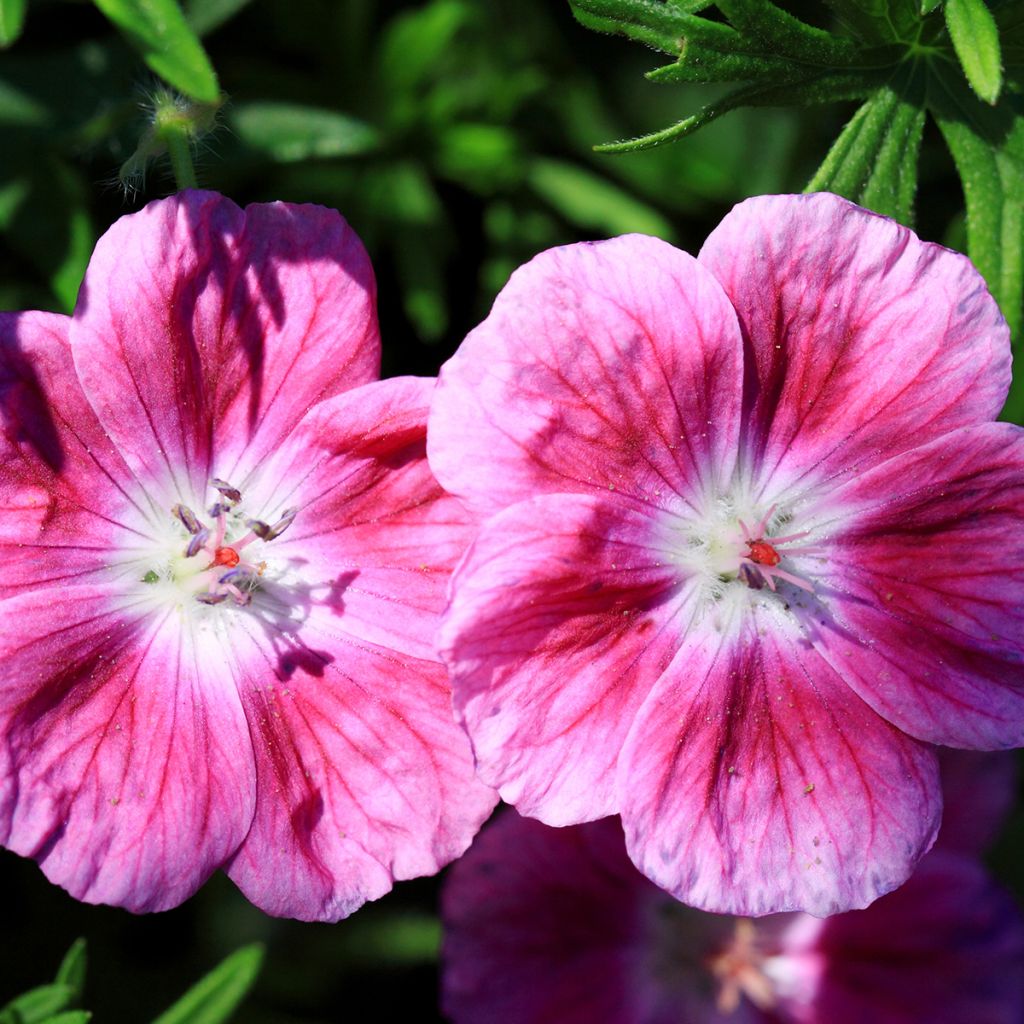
(754,543)
(224,555)
(556,926)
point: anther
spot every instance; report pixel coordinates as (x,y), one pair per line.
(187,517)
(196,544)
(211,598)
(219,509)
(265,532)
(233,494)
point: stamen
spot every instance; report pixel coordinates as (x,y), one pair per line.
(187,517)
(265,532)
(198,542)
(211,597)
(233,494)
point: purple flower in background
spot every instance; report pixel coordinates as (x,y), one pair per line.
(754,543)
(556,926)
(224,558)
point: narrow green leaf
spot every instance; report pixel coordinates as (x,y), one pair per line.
(781,33)
(706,65)
(12,17)
(159,31)
(976,41)
(37,1004)
(874,160)
(659,25)
(206,15)
(927,6)
(213,999)
(288,132)
(819,88)
(589,201)
(988,149)
(72,969)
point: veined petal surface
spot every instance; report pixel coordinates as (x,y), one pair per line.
(203,333)
(102,713)
(562,619)
(861,340)
(608,366)
(755,781)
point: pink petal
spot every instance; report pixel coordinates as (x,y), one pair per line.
(863,340)
(204,333)
(562,619)
(126,764)
(928,569)
(64,489)
(602,366)
(546,925)
(755,781)
(363,777)
(375,529)
(947,948)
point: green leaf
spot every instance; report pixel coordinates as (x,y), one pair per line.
(781,33)
(288,132)
(72,969)
(159,31)
(69,1017)
(589,201)
(213,999)
(927,6)
(874,160)
(12,17)
(659,25)
(206,15)
(976,41)
(818,88)
(987,144)
(36,1005)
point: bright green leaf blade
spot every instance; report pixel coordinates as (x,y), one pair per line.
(37,1004)
(874,160)
(72,969)
(988,148)
(69,1017)
(159,31)
(589,201)
(213,999)
(12,17)
(206,15)
(927,6)
(659,25)
(976,41)
(288,132)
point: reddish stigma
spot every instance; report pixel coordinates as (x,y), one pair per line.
(762,553)
(230,557)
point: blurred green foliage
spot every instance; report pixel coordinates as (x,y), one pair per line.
(457,137)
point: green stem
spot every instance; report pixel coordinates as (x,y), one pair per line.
(179,148)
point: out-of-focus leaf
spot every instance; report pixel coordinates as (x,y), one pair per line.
(592,202)
(34,1006)
(927,6)
(415,41)
(12,17)
(288,132)
(159,31)
(976,41)
(205,15)
(69,1017)
(19,108)
(72,969)
(987,144)
(214,998)
(874,160)
(395,938)
(484,157)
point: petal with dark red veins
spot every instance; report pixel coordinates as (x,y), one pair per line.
(563,616)
(862,340)
(363,777)
(126,761)
(754,780)
(203,333)
(67,500)
(927,611)
(602,366)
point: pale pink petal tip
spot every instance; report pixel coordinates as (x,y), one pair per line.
(754,543)
(226,558)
